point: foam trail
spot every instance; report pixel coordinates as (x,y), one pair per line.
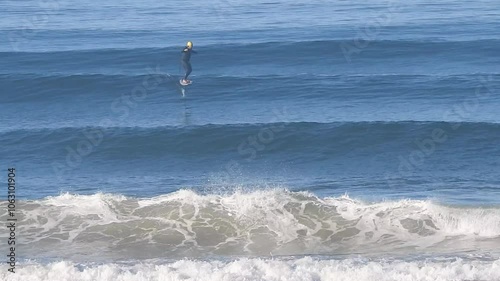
(302,269)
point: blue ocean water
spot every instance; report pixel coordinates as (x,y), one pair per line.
(320,140)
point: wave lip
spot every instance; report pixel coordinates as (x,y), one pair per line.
(333,138)
(266,222)
(316,56)
(290,86)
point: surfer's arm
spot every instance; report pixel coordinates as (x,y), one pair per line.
(194,52)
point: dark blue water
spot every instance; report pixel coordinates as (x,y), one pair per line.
(324,128)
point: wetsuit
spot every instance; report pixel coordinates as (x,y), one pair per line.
(186,56)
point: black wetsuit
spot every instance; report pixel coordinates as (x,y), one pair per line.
(186,56)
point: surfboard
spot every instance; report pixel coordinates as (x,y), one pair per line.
(185,84)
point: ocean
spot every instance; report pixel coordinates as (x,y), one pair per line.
(320,140)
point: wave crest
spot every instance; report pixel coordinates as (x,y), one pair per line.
(265,222)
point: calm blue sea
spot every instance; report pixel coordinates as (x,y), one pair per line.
(320,140)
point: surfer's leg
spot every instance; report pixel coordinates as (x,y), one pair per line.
(185,66)
(188,70)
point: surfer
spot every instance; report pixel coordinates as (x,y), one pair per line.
(186,57)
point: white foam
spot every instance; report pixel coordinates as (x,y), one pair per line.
(262,222)
(301,269)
